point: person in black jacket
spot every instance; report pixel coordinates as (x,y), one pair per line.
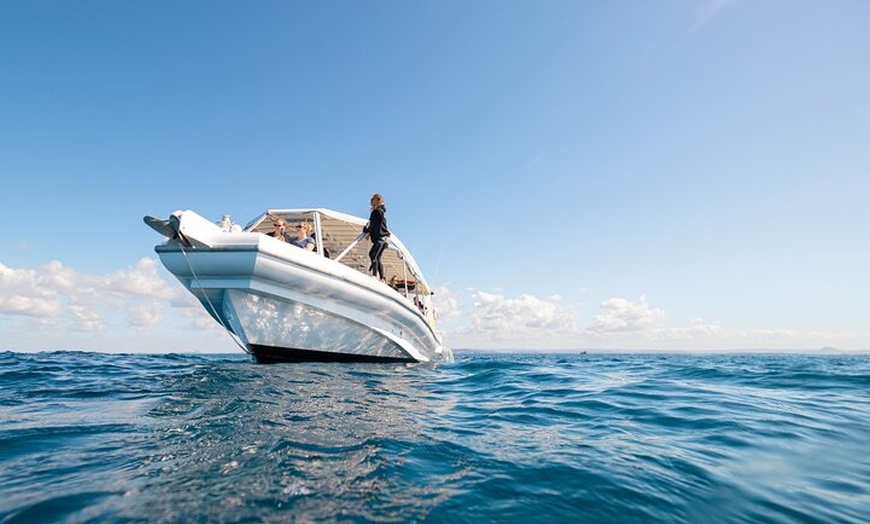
(378,232)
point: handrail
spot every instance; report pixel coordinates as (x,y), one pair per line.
(351,246)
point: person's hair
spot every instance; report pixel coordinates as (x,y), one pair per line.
(377,201)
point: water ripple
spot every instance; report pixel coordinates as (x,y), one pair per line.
(492,437)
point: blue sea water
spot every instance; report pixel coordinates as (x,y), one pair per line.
(506,437)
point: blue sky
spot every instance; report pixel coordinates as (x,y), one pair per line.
(620,175)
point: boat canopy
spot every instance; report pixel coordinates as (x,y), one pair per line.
(339,237)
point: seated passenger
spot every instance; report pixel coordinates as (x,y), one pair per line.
(325,250)
(303,237)
(279,230)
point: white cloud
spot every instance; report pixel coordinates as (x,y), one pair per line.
(53,293)
(131,309)
(527,322)
(29,292)
(54,306)
(696,330)
(55,276)
(500,315)
(624,316)
(142,279)
(707,12)
(143,315)
(86,319)
(524,321)
(447,303)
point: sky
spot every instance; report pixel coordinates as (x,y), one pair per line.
(684,175)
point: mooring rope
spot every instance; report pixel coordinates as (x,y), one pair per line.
(233,336)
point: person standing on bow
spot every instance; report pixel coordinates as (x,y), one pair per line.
(378,232)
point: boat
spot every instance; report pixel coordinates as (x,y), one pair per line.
(281,303)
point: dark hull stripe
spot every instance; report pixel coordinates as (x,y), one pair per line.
(273,355)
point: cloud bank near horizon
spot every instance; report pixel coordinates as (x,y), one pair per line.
(138,309)
(526,322)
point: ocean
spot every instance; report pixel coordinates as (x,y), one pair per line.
(492,437)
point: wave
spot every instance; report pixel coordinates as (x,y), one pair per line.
(516,437)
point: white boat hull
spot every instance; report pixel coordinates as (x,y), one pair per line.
(287,304)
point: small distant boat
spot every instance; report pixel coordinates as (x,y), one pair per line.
(286,304)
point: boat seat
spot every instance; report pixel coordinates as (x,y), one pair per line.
(399,285)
